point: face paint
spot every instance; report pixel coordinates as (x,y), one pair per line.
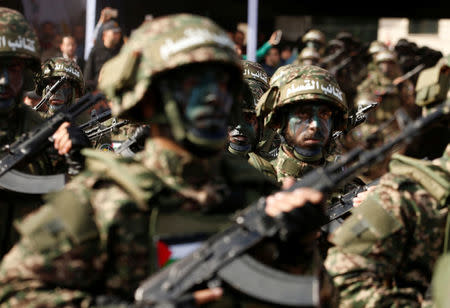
(11,81)
(62,97)
(243,136)
(308,128)
(205,101)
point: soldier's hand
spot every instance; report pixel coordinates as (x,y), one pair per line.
(208,295)
(286,201)
(362,196)
(68,137)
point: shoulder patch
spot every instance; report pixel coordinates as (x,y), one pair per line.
(56,227)
(370,222)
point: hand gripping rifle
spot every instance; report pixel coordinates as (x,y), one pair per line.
(224,256)
(32,142)
(51,92)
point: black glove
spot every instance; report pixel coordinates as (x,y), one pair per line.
(140,135)
(74,159)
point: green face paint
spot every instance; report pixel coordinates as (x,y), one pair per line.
(205,100)
(309,128)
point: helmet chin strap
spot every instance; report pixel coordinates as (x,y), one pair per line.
(237,149)
(308,155)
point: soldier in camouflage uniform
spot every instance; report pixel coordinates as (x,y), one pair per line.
(386,250)
(52,70)
(244,137)
(117,222)
(19,60)
(381,84)
(306,105)
(374,48)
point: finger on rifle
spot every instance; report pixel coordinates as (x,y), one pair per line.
(63,143)
(60,130)
(287,182)
(208,295)
(287,201)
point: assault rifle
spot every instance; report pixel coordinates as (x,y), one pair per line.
(139,135)
(32,142)
(101,130)
(356,119)
(224,256)
(361,53)
(399,80)
(51,92)
(96,119)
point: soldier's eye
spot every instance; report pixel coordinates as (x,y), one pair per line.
(325,114)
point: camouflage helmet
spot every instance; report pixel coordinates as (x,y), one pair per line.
(59,67)
(256,83)
(265,103)
(160,46)
(314,35)
(385,55)
(18,38)
(307,82)
(255,72)
(376,46)
(309,53)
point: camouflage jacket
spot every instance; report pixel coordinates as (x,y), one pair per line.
(103,233)
(385,251)
(15,205)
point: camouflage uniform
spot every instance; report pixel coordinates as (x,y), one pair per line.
(385,252)
(106,231)
(256,81)
(18,119)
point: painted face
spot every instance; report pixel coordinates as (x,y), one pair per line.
(243,136)
(309,127)
(62,97)
(204,97)
(11,82)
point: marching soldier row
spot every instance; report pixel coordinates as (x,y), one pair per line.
(222,135)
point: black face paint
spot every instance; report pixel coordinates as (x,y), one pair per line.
(205,101)
(309,128)
(11,82)
(62,97)
(242,137)
(6,101)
